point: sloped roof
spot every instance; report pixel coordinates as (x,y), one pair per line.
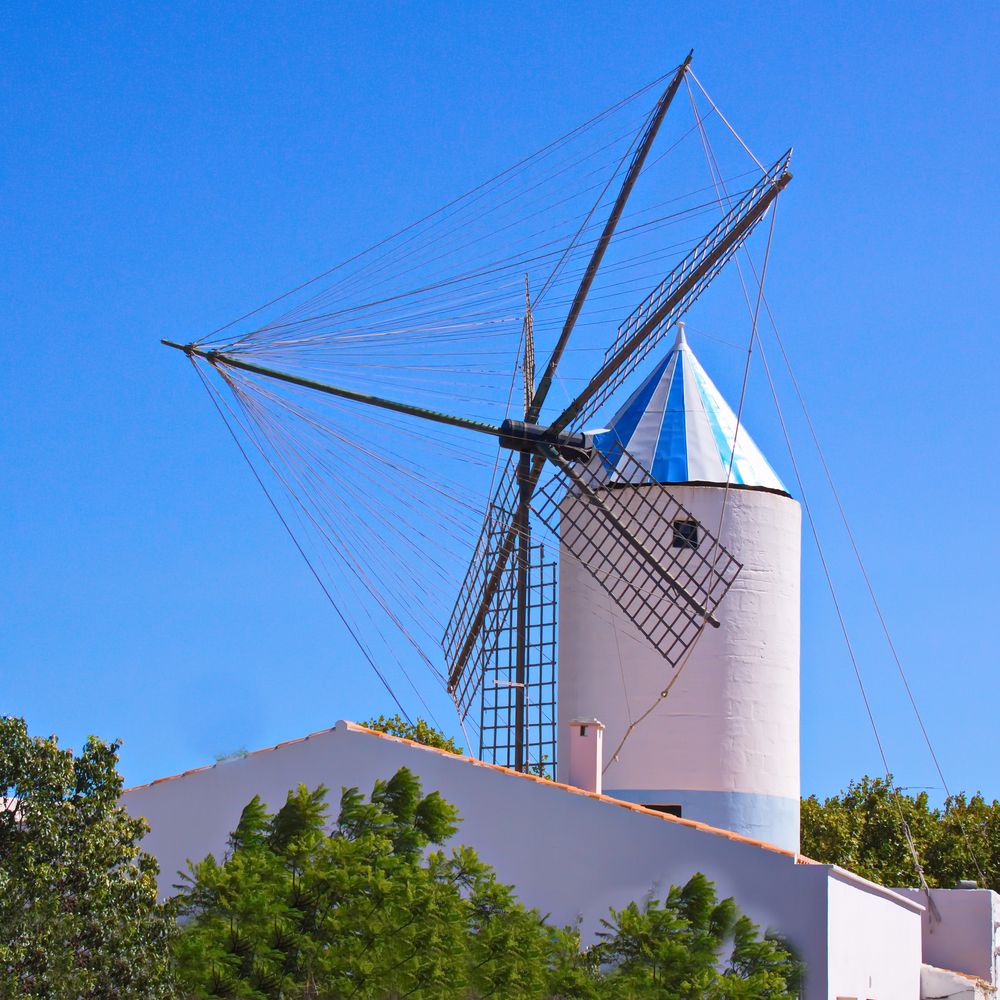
(678,426)
(556,786)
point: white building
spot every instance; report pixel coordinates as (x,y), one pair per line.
(722,750)
(571,854)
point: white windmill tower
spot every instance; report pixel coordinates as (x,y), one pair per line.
(722,745)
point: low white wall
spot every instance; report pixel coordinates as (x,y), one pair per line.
(942,984)
(874,941)
(570,854)
(962,934)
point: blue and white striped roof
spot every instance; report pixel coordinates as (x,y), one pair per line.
(678,426)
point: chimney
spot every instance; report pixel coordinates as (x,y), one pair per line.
(586,755)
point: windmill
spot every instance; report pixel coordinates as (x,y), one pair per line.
(566,478)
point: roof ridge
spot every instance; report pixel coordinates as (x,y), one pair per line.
(475,761)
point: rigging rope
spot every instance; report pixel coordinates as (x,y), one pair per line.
(347,625)
(388,239)
(761,298)
(430,311)
(871,591)
(665,693)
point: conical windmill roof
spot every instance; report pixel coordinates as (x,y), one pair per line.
(678,426)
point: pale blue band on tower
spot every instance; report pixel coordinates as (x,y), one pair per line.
(773,819)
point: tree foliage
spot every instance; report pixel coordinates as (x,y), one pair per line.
(78,912)
(862,829)
(377,909)
(419,731)
(692,945)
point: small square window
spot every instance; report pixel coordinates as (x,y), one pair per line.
(669,808)
(685,535)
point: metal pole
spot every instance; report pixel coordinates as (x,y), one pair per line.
(523,527)
(730,242)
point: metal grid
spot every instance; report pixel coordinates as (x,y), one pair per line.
(622,530)
(463,623)
(498,732)
(680,288)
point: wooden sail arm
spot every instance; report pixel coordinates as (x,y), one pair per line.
(228,361)
(734,235)
(526,487)
(635,168)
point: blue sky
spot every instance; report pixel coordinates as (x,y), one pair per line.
(168,166)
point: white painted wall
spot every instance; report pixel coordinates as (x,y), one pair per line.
(731,722)
(874,951)
(965,938)
(570,854)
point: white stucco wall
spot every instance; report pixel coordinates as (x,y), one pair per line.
(728,734)
(570,854)
(963,933)
(874,941)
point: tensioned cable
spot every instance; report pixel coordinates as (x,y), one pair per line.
(653,222)
(306,464)
(252,410)
(844,630)
(244,401)
(437,211)
(732,454)
(665,693)
(725,121)
(806,506)
(720,182)
(871,589)
(755,312)
(347,625)
(393,257)
(511,262)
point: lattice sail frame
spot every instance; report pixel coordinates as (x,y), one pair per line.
(498,713)
(667,586)
(637,336)
(492,662)
(679,281)
(497,523)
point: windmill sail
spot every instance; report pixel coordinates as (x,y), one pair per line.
(637,336)
(342,392)
(478,596)
(678,291)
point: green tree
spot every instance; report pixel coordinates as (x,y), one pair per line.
(693,945)
(377,909)
(78,910)
(419,731)
(862,829)
(365,912)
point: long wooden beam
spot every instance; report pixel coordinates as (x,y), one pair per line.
(228,361)
(726,246)
(635,168)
